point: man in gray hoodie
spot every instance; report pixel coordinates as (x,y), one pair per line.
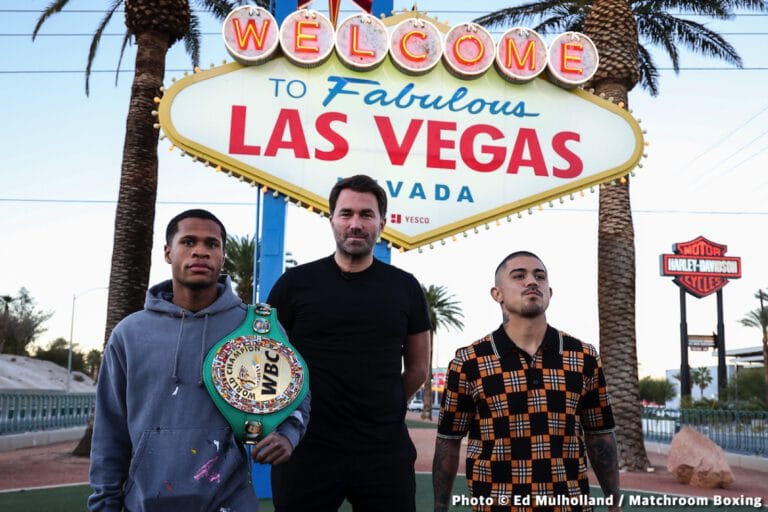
(159,443)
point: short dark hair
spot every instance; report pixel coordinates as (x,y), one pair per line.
(359,183)
(196,213)
(515,255)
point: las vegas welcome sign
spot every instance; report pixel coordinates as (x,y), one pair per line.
(412,103)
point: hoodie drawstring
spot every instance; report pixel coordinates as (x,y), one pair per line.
(202,350)
(203,337)
(178,348)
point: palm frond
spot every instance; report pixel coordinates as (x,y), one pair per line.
(96,40)
(55,7)
(752,5)
(192,40)
(219,8)
(239,254)
(521,14)
(444,310)
(557,24)
(123,46)
(699,39)
(657,29)
(756,318)
(718,9)
(649,74)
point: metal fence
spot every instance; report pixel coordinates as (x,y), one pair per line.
(734,431)
(30,411)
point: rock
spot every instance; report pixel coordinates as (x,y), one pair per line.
(696,460)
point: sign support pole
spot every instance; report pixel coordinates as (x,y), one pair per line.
(722,376)
(257,250)
(271,250)
(685,369)
(281,9)
(272,243)
(381,252)
(380,7)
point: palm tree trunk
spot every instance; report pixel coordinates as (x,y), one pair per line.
(616,305)
(83,448)
(765,368)
(135,212)
(612,26)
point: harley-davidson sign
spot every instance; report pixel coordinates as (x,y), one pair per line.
(454,143)
(700,266)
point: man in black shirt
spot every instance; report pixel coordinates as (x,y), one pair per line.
(363,328)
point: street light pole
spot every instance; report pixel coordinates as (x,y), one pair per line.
(765,343)
(75,296)
(762,313)
(71,332)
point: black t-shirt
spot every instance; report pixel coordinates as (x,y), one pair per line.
(351,328)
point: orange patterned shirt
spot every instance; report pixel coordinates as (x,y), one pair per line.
(525,416)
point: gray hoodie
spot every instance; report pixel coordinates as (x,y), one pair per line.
(159,443)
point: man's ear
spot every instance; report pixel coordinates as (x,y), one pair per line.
(167,253)
(496,294)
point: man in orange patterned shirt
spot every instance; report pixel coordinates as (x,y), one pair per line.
(531,399)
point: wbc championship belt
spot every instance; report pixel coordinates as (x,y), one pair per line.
(255,376)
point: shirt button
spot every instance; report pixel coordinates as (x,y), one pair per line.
(535,382)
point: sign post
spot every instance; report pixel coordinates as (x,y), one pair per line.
(701,268)
(685,369)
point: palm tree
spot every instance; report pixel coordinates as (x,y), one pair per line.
(6,301)
(616,27)
(702,378)
(759,318)
(93,362)
(154,25)
(610,22)
(238,263)
(443,311)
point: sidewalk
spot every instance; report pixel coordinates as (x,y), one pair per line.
(53,465)
(42,466)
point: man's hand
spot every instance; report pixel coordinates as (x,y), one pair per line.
(273,449)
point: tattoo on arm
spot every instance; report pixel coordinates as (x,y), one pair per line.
(444,467)
(603,455)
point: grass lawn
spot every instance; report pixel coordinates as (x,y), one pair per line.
(420,424)
(73,498)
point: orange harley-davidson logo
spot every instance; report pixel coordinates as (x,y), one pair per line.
(700,266)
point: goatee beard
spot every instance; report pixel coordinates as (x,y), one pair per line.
(531,311)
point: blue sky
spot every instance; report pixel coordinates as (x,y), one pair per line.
(704,175)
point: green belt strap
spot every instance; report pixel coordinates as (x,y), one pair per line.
(255,376)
